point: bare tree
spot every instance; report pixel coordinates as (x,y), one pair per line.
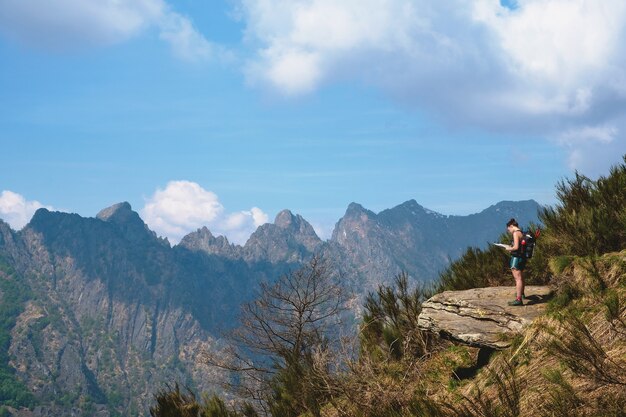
(281,331)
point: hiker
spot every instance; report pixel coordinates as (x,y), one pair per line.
(518,260)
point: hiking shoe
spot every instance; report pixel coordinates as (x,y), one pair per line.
(524,297)
(516,303)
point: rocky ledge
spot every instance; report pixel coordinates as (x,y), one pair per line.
(481,317)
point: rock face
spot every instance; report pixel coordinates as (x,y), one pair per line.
(481,316)
(111,312)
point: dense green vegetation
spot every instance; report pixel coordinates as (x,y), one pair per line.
(390,321)
(572,362)
(13,296)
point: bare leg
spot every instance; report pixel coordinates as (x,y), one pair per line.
(519,282)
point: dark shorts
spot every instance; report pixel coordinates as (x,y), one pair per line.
(517,263)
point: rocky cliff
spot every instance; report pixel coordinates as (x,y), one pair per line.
(481,317)
(109,318)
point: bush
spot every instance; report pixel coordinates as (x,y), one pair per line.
(584,355)
(171,402)
(506,402)
(591,216)
(563,401)
(390,321)
(476,268)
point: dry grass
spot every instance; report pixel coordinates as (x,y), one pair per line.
(570,363)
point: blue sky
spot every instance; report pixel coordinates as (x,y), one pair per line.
(223,113)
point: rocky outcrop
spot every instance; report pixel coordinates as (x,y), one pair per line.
(481,316)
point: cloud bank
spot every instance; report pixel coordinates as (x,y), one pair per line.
(550,68)
(184,206)
(16,210)
(70,24)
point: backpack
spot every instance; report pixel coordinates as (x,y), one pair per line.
(529,238)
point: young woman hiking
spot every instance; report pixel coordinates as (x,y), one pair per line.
(518,261)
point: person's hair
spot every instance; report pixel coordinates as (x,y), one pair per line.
(512,222)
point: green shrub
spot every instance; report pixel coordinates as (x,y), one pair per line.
(613,306)
(506,403)
(390,321)
(562,401)
(564,296)
(476,268)
(171,402)
(590,218)
(214,406)
(584,355)
(559,263)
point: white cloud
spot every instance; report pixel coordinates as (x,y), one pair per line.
(541,68)
(68,24)
(562,41)
(184,206)
(16,210)
(592,148)
(598,134)
(292,72)
(187,43)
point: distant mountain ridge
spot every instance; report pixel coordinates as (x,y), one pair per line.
(113,311)
(371,248)
(416,240)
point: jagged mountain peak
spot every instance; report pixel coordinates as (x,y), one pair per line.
(128,222)
(205,232)
(410,207)
(410,204)
(290,238)
(506,204)
(202,234)
(409,210)
(203,240)
(286,218)
(356,210)
(504,210)
(117,212)
(39,214)
(44,218)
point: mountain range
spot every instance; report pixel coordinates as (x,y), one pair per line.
(104,312)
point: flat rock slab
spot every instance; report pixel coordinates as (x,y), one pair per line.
(481,316)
